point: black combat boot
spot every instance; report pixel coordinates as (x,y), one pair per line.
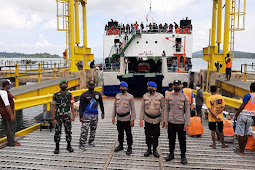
(170,157)
(129,150)
(119,148)
(155,152)
(148,153)
(183,160)
(69,147)
(56,151)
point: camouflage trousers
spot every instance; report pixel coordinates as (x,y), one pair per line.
(66,120)
(90,121)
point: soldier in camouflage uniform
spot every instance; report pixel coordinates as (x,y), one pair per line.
(62,104)
(89,114)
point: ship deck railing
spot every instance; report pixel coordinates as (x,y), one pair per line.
(147,31)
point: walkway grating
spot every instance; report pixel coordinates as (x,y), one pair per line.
(37,149)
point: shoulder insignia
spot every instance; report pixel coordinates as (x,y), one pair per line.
(97,96)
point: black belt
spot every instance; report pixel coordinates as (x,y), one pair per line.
(152,117)
(123,115)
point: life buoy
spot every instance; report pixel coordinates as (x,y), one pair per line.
(178,30)
(186,30)
(110,32)
(117,32)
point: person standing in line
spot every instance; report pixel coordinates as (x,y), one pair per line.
(124,109)
(216,105)
(89,114)
(7,113)
(244,119)
(228,62)
(62,105)
(169,90)
(151,113)
(92,64)
(189,93)
(199,101)
(177,120)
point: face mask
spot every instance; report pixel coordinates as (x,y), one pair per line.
(197,88)
(123,91)
(63,88)
(177,89)
(152,91)
(91,88)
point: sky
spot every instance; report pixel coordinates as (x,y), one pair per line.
(30,26)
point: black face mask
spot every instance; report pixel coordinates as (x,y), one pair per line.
(91,88)
(177,89)
(123,91)
(152,91)
(63,88)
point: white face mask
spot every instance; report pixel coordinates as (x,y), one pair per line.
(197,88)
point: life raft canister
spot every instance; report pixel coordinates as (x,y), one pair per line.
(251,142)
(228,131)
(178,30)
(117,32)
(196,127)
(110,32)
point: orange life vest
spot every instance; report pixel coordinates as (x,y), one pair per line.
(229,64)
(228,128)
(195,127)
(64,55)
(249,108)
(251,142)
(188,92)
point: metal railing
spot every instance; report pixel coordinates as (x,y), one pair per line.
(31,70)
(235,103)
(147,30)
(244,70)
(113,67)
(46,99)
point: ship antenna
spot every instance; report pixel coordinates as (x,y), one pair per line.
(150,5)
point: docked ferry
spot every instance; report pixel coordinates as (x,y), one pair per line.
(138,53)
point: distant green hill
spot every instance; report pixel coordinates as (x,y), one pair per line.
(238,54)
(22,55)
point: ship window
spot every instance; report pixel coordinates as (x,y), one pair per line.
(146,42)
(156,42)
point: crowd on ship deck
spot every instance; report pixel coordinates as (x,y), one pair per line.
(148,28)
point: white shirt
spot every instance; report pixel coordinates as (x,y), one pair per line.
(4,97)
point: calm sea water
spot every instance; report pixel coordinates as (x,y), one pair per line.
(27,118)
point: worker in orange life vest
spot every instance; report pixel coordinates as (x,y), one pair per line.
(188,92)
(244,119)
(65,58)
(228,62)
(195,128)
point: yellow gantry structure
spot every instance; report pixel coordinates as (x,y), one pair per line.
(68,20)
(233,9)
